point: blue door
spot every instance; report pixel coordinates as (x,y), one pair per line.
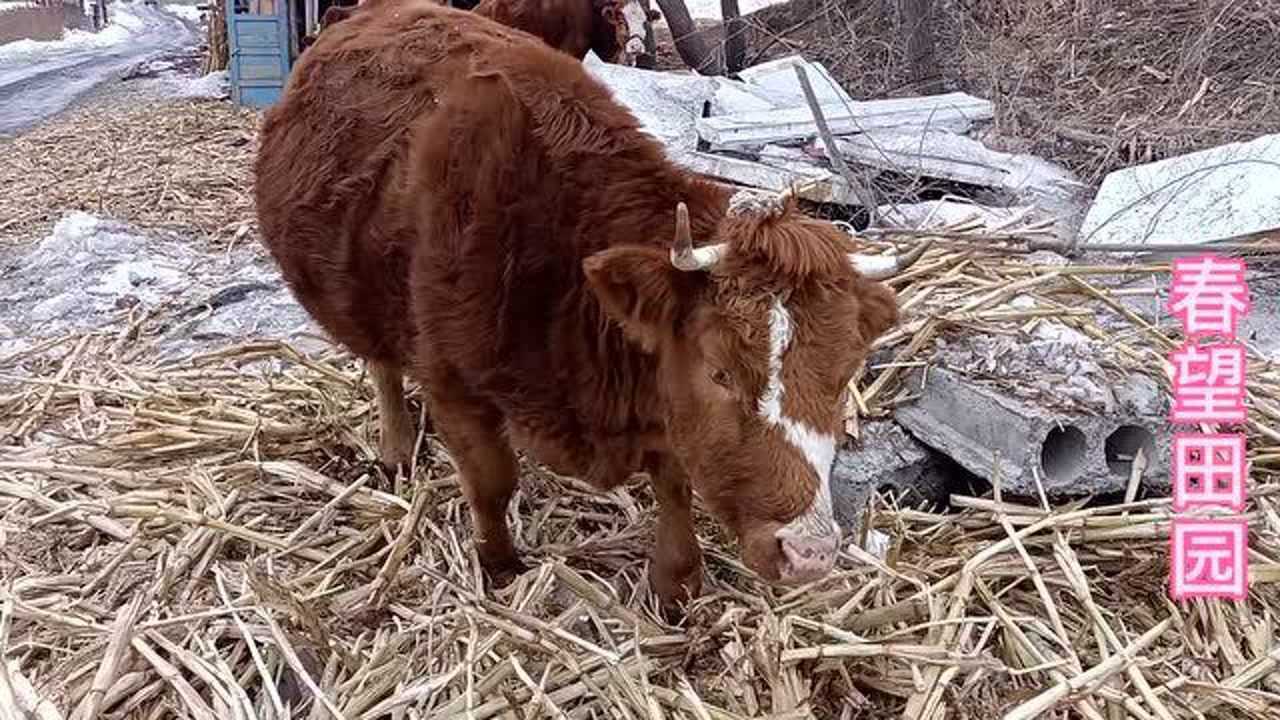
(258,43)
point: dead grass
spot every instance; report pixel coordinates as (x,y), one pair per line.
(207,539)
(1096,85)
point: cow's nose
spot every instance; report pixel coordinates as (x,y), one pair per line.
(806,558)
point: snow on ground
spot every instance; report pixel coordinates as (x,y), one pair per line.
(125,24)
(14,4)
(710,9)
(213,86)
(190,13)
(91,270)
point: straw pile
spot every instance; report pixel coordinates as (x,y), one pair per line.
(209,539)
(180,165)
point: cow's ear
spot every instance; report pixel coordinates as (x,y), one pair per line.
(877,311)
(639,289)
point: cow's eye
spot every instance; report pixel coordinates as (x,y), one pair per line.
(721,377)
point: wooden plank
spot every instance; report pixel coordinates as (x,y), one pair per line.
(953,111)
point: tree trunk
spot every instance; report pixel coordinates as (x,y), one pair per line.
(648,60)
(735,37)
(917,28)
(692,45)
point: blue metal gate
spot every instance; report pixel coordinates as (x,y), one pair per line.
(258,43)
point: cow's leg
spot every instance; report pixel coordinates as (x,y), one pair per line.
(396,435)
(472,431)
(675,569)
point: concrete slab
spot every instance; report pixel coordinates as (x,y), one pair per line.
(886,458)
(1208,196)
(1014,441)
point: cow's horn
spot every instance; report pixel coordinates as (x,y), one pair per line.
(883,267)
(683,254)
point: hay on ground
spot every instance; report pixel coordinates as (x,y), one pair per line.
(209,539)
(181,165)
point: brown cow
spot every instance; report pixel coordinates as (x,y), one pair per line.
(614,29)
(451,198)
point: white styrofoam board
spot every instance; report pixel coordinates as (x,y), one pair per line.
(733,97)
(827,186)
(941,154)
(1225,192)
(952,111)
(666,104)
(777,80)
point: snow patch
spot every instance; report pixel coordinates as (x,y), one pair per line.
(90,270)
(215,86)
(190,13)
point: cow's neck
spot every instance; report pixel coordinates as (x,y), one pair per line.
(626,414)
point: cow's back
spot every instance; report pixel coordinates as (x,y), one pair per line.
(332,167)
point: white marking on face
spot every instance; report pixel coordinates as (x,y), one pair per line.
(817,447)
(635,18)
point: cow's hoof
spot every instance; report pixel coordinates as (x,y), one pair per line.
(396,455)
(675,590)
(502,574)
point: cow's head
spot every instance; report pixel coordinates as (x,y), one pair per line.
(756,337)
(621,29)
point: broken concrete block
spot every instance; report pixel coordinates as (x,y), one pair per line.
(777,80)
(889,460)
(1208,196)
(953,111)
(1013,441)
